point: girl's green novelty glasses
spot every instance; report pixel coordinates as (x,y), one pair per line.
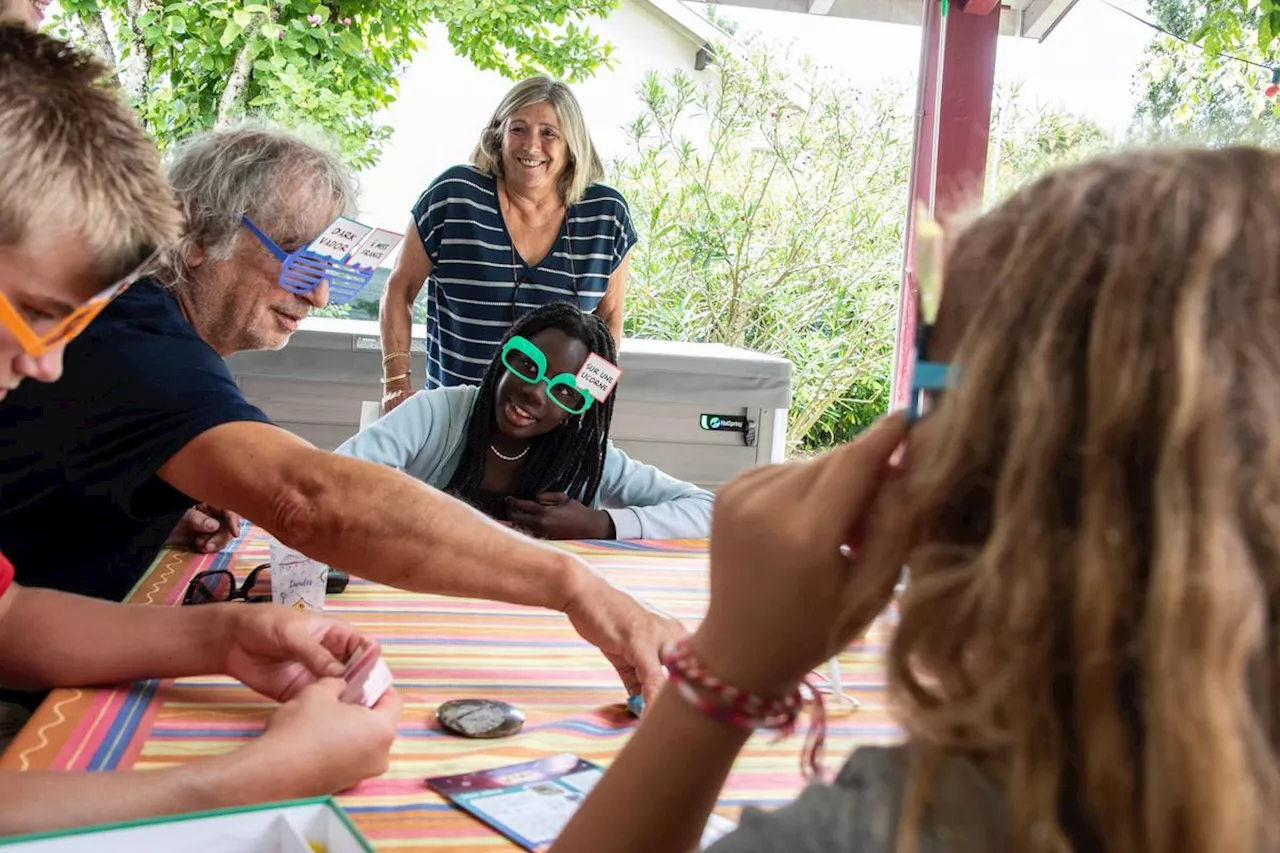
(527,362)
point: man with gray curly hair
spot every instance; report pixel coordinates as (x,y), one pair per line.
(287,187)
(151,421)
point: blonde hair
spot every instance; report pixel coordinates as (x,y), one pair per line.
(73,157)
(1093,528)
(584,167)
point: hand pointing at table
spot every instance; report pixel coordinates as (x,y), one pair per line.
(629,634)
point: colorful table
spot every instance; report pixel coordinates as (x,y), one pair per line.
(439,648)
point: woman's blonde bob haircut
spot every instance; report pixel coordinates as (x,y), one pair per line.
(584,167)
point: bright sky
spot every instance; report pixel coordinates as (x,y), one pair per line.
(1085,66)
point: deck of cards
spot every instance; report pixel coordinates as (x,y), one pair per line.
(367,677)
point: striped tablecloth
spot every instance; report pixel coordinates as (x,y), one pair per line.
(439,648)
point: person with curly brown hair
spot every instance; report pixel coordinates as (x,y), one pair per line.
(1087,657)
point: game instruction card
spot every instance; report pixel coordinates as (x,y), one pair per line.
(531,803)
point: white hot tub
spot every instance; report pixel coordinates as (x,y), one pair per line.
(700,412)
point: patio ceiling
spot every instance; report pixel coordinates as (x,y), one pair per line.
(1032,19)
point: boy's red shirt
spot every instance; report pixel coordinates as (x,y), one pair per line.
(6,575)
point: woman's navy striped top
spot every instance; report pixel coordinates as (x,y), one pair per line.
(479,284)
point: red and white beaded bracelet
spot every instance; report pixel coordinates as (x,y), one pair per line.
(744,710)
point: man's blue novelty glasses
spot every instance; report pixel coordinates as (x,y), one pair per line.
(344,256)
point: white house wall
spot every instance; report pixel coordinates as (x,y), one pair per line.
(444,101)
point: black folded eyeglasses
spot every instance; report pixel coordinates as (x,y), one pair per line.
(219,585)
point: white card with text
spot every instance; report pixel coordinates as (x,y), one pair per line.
(339,239)
(376,248)
(598,375)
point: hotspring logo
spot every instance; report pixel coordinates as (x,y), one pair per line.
(731,423)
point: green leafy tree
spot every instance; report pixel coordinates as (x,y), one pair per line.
(1187,95)
(770,204)
(1027,141)
(189,65)
(1230,26)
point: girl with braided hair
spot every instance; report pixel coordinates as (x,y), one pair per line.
(531,448)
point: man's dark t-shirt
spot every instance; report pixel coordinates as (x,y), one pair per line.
(81,507)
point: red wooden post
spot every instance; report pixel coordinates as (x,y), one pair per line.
(952,131)
(981,7)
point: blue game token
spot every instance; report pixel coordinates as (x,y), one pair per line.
(635,704)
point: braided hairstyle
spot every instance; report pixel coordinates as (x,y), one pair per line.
(570,458)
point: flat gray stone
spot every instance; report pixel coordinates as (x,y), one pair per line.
(480,718)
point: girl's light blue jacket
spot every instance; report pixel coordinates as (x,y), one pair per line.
(423,437)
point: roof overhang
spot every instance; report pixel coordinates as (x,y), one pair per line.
(1032,19)
(685,21)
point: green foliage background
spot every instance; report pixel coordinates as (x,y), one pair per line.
(771,206)
(1188,95)
(192,64)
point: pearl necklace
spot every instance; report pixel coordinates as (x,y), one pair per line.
(505,458)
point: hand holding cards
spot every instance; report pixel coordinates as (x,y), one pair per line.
(367,677)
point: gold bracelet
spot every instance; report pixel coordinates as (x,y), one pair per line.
(391,379)
(392,355)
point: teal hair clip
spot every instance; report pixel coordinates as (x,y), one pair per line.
(927,378)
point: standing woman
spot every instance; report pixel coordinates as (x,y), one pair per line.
(526,223)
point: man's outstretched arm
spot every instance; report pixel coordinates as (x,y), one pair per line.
(385,526)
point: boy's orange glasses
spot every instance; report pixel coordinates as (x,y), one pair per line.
(36,344)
